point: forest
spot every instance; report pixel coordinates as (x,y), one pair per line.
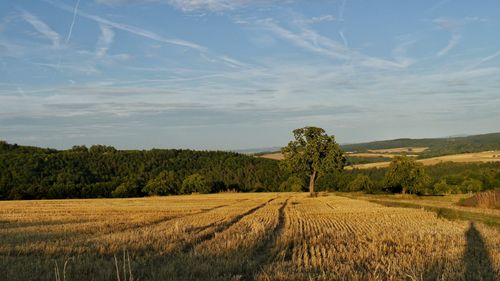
(103,171)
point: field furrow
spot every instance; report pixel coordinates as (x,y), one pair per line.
(286,236)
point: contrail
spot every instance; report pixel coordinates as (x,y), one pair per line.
(75,11)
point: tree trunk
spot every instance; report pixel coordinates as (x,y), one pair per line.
(311,183)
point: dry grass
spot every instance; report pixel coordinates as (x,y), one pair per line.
(487,199)
(409,149)
(451,202)
(379,155)
(286,236)
(273,156)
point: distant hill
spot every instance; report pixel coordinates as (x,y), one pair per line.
(436,146)
(257,151)
(383,151)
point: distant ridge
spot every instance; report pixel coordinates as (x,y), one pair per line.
(436,146)
(258,150)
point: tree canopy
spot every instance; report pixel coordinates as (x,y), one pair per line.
(103,171)
(405,174)
(195,183)
(312,153)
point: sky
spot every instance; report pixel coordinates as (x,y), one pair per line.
(237,74)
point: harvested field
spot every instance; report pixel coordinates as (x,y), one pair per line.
(413,149)
(267,236)
(378,155)
(273,156)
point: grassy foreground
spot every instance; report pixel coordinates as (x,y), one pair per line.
(270,236)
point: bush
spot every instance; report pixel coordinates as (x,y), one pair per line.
(471,185)
(405,174)
(195,183)
(129,188)
(293,184)
(441,187)
(361,183)
(166,183)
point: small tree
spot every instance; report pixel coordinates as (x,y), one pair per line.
(361,183)
(195,183)
(293,184)
(441,187)
(406,174)
(312,153)
(164,184)
(128,188)
(471,185)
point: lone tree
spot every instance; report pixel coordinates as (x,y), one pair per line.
(405,174)
(312,153)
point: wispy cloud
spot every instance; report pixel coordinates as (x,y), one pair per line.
(194,5)
(75,11)
(455,38)
(344,39)
(105,40)
(483,60)
(323,18)
(342,9)
(210,5)
(42,28)
(123,2)
(310,40)
(132,29)
(232,61)
(438,5)
(81,68)
(454,27)
(452,24)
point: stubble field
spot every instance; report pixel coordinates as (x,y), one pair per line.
(268,236)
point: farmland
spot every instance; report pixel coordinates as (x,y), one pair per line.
(484,157)
(234,236)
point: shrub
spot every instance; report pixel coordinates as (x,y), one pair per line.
(129,188)
(487,199)
(471,185)
(405,174)
(293,184)
(166,183)
(441,187)
(195,183)
(361,183)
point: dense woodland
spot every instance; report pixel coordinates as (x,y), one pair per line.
(103,171)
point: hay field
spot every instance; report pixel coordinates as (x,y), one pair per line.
(273,156)
(485,156)
(378,155)
(409,149)
(269,236)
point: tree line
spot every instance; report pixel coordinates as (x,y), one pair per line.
(103,171)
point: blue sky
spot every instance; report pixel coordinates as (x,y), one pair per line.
(221,74)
